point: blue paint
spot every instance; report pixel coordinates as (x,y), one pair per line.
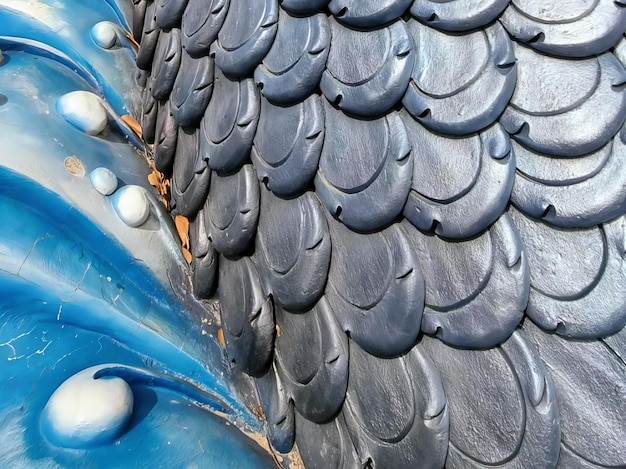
(113,79)
(71,294)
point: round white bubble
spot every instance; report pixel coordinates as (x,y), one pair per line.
(84,110)
(104,34)
(103,180)
(131,205)
(85,412)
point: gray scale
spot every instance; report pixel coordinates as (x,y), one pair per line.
(457,15)
(278,409)
(229,123)
(300,7)
(620,50)
(205,259)
(246,36)
(396,410)
(327,445)
(572,193)
(139,15)
(589,380)
(460,185)
(312,361)
(149,39)
(141,78)
(502,404)
(497,225)
(191,176)
(377,72)
(169,13)
(475,290)
(292,249)
(288,144)
(368,14)
(375,288)
(566,107)
(572,29)
(166,132)
(167,58)
(192,89)
(232,211)
(201,22)
(577,277)
(247,316)
(480,73)
(292,68)
(149,113)
(365,169)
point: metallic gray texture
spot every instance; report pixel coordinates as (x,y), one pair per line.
(288,144)
(292,68)
(417,217)
(192,89)
(200,24)
(376,79)
(232,211)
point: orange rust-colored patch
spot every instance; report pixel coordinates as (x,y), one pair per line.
(220,337)
(134,43)
(131,122)
(279,331)
(160,183)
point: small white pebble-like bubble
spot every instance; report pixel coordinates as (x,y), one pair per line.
(104,34)
(84,110)
(103,180)
(85,412)
(131,205)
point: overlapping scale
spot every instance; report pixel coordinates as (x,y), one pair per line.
(300,7)
(475,290)
(480,76)
(149,38)
(288,144)
(247,315)
(566,29)
(576,193)
(577,277)
(589,383)
(457,15)
(293,249)
(365,169)
(201,22)
(375,288)
(292,68)
(368,71)
(460,186)
(413,431)
(246,36)
(394,171)
(149,113)
(229,123)
(278,409)
(166,137)
(167,58)
(205,259)
(169,13)
(367,14)
(232,211)
(192,89)
(566,107)
(326,445)
(514,422)
(139,16)
(312,361)
(191,176)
